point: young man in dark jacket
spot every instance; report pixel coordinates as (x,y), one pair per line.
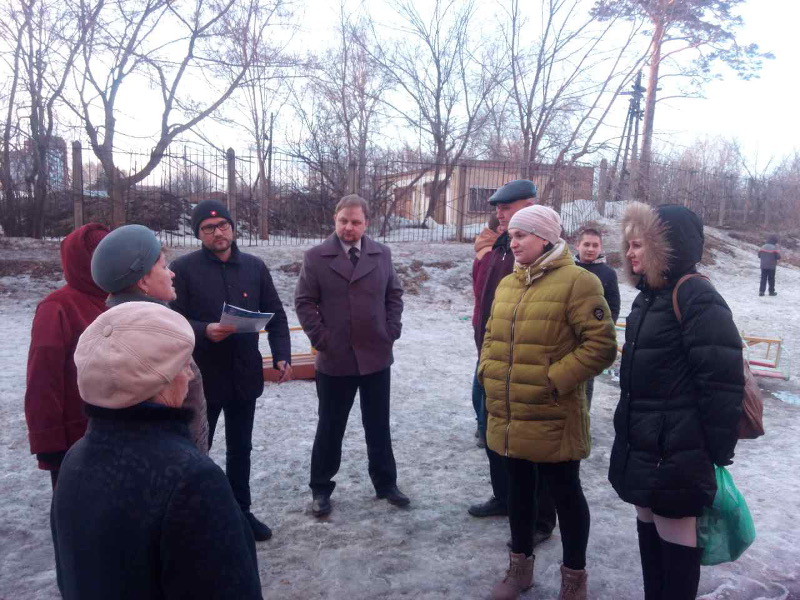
(769,256)
(230,362)
(590,256)
(509,199)
(53,406)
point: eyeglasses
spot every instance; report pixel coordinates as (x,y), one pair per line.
(222,226)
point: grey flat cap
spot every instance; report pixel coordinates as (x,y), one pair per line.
(519,189)
(124,256)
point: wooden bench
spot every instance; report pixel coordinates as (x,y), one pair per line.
(302,364)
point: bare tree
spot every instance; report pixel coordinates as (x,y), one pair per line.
(48,39)
(340,108)
(444,77)
(685,41)
(178,47)
(564,81)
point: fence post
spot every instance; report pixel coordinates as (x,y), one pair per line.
(231,160)
(77,185)
(602,192)
(461,201)
(352,167)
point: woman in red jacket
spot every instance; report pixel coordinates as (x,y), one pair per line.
(53,406)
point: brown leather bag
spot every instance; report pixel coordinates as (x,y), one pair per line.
(751,423)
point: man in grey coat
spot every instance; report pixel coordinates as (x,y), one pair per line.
(349,301)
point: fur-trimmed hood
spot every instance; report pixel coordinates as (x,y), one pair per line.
(673,237)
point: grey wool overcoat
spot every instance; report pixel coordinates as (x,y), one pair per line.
(350,314)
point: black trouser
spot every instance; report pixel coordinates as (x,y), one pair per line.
(239,415)
(767,275)
(563,480)
(336,396)
(498,473)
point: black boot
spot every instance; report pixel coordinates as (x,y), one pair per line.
(681,568)
(650,553)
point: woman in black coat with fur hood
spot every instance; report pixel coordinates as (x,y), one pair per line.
(682,388)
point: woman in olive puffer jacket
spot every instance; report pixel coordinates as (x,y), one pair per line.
(550,330)
(682,386)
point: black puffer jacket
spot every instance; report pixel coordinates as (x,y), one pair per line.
(140,513)
(682,382)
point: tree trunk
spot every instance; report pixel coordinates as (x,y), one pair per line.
(643,177)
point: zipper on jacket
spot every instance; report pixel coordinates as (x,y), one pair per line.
(510,365)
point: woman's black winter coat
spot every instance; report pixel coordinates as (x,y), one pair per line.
(139,513)
(682,382)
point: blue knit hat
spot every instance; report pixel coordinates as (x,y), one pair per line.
(124,256)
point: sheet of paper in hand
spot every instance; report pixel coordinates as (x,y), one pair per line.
(245,321)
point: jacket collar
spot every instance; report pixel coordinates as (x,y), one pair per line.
(234,259)
(117,299)
(142,415)
(600,260)
(557,257)
(341,264)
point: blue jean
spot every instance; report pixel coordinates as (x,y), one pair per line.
(479,401)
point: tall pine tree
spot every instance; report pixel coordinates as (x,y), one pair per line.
(691,35)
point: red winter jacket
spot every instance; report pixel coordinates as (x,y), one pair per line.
(53,406)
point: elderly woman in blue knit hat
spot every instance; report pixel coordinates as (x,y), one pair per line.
(130,264)
(550,330)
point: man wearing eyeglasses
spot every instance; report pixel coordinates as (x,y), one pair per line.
(230,363)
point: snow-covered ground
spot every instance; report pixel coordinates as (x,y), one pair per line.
(369,549)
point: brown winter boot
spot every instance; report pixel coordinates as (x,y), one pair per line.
(573,584)
(519,578)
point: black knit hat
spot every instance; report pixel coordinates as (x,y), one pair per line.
(209,209)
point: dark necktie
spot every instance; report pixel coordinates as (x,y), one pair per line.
(353,256)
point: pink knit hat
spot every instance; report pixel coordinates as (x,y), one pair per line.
(130,353)
(541,221)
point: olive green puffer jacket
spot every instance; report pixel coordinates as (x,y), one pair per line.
(550,330)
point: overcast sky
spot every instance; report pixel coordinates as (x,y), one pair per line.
(764,113)
(761,113)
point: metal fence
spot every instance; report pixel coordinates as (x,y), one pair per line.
(289,200)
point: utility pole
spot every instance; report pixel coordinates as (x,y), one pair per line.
(630,138)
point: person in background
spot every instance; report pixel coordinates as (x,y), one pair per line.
(139,511)
(483,248)
(350,303)
(512,197)
(130,264)
(769,255)
(550,331)
(682,386)
(231,363)
(53,406)
(590,256)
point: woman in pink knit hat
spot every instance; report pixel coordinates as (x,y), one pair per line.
(139,511)
(550,330)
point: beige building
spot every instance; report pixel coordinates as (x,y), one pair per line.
(470,186)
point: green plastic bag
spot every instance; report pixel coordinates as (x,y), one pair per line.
(725,530)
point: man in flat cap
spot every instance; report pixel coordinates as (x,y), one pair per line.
(509,199)
(349,302)
(231,363)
